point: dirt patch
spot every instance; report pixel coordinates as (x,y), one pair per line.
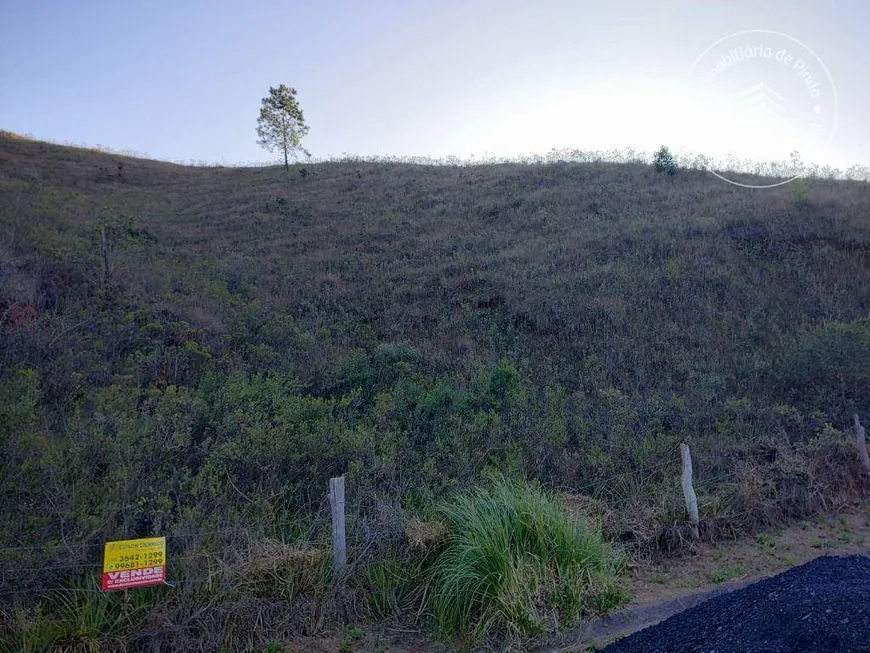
(768,553)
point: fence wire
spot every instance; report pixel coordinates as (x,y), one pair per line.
(642,475)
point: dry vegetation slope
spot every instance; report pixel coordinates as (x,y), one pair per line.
(646,277)
(629,310)
(608,282)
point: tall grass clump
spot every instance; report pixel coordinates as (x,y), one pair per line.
(515,562)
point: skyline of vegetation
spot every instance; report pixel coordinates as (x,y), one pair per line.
(622,154)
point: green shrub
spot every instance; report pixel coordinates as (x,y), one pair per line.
(80,620)
(833,353)
(19,399)
(514,558)
(801,193)
(664,161)
(505,384)
(267,437)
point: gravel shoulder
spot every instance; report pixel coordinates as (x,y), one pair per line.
(822,606)
(669,586)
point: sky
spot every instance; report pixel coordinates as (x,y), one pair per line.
(183,79)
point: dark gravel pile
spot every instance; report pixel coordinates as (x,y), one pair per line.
(820,607)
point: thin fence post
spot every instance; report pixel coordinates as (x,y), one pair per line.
(104,256)
(861,441)
(336,502)
(688,490)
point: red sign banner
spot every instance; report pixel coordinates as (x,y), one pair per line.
(119,580)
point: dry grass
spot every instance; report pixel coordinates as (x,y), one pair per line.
(269,554)
(425,535)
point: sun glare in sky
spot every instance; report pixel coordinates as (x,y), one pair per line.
(756,95)
(637,113)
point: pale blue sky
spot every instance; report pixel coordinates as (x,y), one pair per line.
(183,79)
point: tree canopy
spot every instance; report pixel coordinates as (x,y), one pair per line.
(281,125)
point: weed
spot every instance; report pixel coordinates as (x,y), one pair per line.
(392,585)
(351,635)
(822,543)
(726,574)
(275,647)
(801,193)
(765,540)
(79,620)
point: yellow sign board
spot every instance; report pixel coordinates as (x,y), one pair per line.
(134,563)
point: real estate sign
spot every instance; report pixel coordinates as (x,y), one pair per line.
(134,563)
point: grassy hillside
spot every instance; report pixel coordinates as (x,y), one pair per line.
(197,350)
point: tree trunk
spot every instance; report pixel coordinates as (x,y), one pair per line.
(286,161)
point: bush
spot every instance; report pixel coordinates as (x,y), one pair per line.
(801,193)
(664,161)
(831,360)
(513,557)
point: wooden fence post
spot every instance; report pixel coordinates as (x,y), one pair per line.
(336,502)
(861,440)
(104,257)
(688,490)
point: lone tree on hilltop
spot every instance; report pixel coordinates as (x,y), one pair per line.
(281,125)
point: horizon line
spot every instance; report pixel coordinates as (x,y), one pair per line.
(618,155)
